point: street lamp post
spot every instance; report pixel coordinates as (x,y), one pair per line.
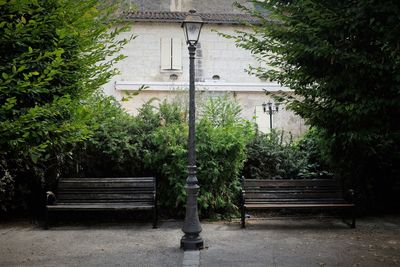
(270,109)
(191,227)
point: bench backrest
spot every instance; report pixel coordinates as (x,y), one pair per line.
(107,190)
(286,191)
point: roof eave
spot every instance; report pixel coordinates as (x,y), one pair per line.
(180,21)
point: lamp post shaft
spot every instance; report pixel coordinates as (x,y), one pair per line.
(192,113)
(270,118)
(191,227)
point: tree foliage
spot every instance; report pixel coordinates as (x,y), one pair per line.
(341,58)
(53,55)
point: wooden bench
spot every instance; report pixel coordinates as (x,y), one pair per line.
(294,194)
(104,194)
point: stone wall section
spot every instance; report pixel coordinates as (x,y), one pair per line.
(217,56)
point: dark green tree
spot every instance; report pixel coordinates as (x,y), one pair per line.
(54,54)
(342,59)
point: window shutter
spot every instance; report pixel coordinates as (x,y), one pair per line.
(166,53)
(176,54)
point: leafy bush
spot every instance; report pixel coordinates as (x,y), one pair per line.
(268,157)
(220,148)
(114,147)
(221,111)
(168,161)
(221,155)
(155,143)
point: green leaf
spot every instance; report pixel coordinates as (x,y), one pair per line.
(34,158)
(5,75)
(10,103)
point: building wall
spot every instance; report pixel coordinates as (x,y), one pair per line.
(215,55)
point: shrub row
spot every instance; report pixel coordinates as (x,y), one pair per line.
(155,143)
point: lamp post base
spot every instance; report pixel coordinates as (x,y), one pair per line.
(192,242)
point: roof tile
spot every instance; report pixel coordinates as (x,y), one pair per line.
(210,18)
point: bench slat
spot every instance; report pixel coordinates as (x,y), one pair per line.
(294,195)
(299,205)
(112,203)
(106,179)
(119,192)
(90,206)
(291,190)
(72,185)
(104,197)
(282,200)
(290,183)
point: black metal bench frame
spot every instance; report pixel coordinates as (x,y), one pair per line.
(104,194)
(294,194)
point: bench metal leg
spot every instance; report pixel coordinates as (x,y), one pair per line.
(353,219)
(352,215)
(155,218)
(243,216)
(46,219)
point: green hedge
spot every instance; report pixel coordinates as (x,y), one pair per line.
(155,143)
(270,157)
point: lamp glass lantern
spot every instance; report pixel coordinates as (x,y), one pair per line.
(192,26)
(268,107)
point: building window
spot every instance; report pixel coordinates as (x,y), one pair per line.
(171,54)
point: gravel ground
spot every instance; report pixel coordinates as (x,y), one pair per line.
(96,245)
(275,242)
(304,242)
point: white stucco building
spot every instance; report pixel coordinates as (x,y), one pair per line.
(158,58)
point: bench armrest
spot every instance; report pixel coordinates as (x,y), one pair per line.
(242,191)
(50,198)
(155,192)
